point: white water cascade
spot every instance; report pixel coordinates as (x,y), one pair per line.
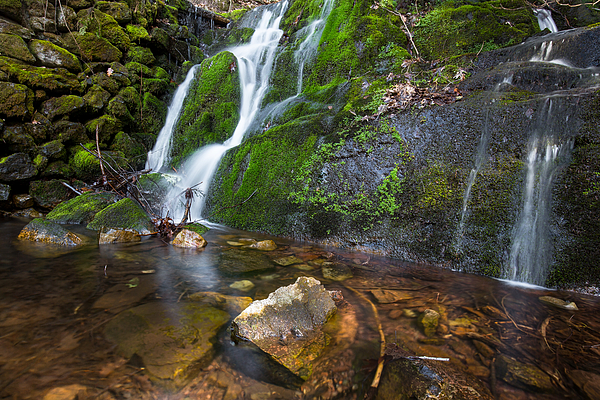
(159,156)
(531,248)
(545,19)
(255,62)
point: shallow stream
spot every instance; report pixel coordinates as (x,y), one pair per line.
(52,321)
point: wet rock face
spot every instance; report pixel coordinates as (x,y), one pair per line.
(287,325)
(189,239)
(241,261)
(40,230)
(16,167)
(124,214)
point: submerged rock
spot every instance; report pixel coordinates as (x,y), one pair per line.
(264,245)
(385,296)
(244,285)
(559,303)
(287,325)
(232,304)
(428,321)
(189,239)
(173,341)
(41,230)
(240,261)
(525,376)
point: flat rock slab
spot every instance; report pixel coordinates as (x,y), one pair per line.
(240,261)
(384,296)
(287,325)
(173,341)
(124,295)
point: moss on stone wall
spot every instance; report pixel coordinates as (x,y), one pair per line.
(211,109)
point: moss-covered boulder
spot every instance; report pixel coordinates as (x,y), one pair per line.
(53,56)
(11,9)
(124,214)
(17,167)
(137,33)
(69,132)
(94,21)
(49,194)
(142,55)
(81,209)
(53,150)
(211,109)
(16,139)
(86,166)
(44,231)
(96,98)
(14,46)
(118,10)
(173,341)
(106,126)
(11,28)
(56,80)
(153,114)
(134,151)
(16,101)
(60,106)
(92,48)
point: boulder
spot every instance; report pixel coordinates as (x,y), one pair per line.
(56,80)
(107,127)
(63,105)
(14,46)
(287,325)
(49,194)
(103,25)
(524,376)
(41,230)
(11,28)
(53,56)
(53,150)
(142,55)
(336,271)
(81,209)
(92,47)
(232,304)
(428,321)
(22,201)
(286,261)
(16,101)
(189,239)
(17,140)
(70,132)
(110,235)
(173,340)
(264,245)
(96,98)
(16,167)
(119,11)
(240,261)
(124,214)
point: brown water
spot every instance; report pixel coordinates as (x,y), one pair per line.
(51,334)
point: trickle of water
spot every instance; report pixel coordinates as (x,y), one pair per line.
(159,156)
(531,248)
(255,62)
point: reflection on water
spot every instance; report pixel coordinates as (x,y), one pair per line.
(54,308)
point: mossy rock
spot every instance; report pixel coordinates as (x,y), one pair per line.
(16,167)
(52,80)
(119,11)
(14,46)
(454,28)
(61,106)
(16,139)
(11,9)
(109,83)
(141,55)
(81,209)
(10,28)
(16,101)
(53,150)
(132,149)
(198,228)
(44,231)
(69,132)
(137,33)
(57,169)
(153,114)
(160,38)
(66,19)
(211,110)
(53,56)
(86,166)
(96,98)
(93,48)
(124,214)
(106,126)
(118,109)
(103,25)
(49,194)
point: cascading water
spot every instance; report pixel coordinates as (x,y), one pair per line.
(159,156)
(545,19)
(531,248)
(255,62)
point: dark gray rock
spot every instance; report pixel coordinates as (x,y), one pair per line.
(44,231)
(17,167)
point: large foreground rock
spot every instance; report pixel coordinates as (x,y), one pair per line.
(41,230)
(287,325)
(81,209)
(124,214)
(172,340)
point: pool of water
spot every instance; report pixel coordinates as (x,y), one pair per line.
(54,306)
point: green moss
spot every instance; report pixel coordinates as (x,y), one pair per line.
(103,25)
(106,126)
(118,10)
(96,98)
(16,101)
(50,193)
(133,150)
(12,8)
(15,47)
(81,209)
(153,114)
(211,109)
(54,56)
(86,166)
(53,80)
(92,47)
(198,228)
(141,55)
(455,28)
(137,33)
(64,105)
(435,191)
(124,214)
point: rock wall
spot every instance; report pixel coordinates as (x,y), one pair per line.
(73,73)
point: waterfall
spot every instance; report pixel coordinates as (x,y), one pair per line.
(255,62)
(531,248)
(545,20)
(308,48)
(159,156)
(480,158)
